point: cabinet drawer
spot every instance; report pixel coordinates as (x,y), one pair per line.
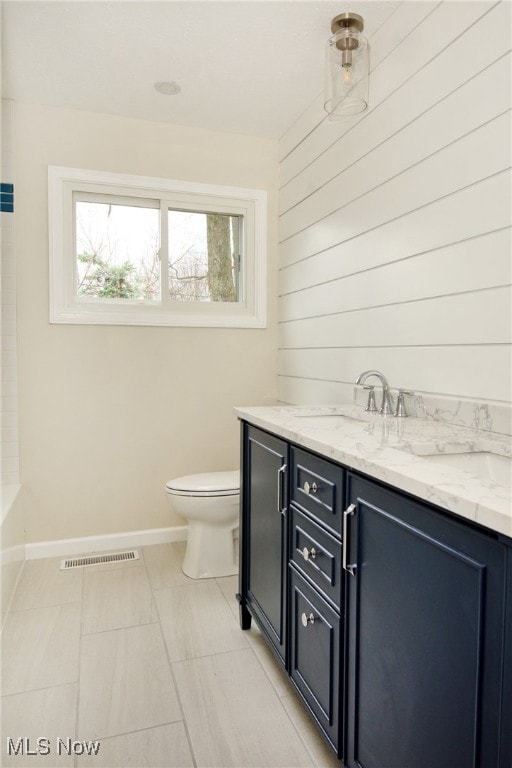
(316,554)
(315,654)
(317,486)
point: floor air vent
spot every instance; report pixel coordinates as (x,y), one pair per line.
(112,557)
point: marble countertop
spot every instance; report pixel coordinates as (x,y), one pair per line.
(396,451)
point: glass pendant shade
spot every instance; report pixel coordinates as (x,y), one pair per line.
(347,68)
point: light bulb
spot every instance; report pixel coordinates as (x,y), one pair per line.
(347,76)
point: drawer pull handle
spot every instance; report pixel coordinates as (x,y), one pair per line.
(307,619)
(310,488)
(309,554)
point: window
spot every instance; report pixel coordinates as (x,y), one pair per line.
(145,251)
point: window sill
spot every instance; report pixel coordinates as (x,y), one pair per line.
(211,316)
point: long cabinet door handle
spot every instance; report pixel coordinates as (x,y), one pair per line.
(280,474)
(346,567)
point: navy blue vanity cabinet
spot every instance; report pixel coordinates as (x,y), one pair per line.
(263,535)
(315,586)
(427,648)
(392,617)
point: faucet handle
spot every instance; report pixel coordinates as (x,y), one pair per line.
(371,405)
(400,402)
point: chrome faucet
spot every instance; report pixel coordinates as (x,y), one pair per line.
(386,406)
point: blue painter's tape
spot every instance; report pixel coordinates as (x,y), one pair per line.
(6,197)
(6,207)
(9,188)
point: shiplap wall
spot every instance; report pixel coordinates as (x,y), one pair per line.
(395,246)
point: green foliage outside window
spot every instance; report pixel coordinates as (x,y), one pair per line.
(108,281)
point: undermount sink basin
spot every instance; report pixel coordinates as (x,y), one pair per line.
(488,466)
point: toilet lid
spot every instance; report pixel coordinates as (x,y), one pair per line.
(207,483)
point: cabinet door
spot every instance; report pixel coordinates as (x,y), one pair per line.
(315,653)
(425,636)
(264,553)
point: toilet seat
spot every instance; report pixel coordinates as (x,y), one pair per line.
(205,484)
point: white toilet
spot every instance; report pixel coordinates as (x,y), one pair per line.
(210,503)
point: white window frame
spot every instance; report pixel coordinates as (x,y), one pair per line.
(67,307)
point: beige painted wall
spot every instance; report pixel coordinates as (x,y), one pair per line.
(108,414)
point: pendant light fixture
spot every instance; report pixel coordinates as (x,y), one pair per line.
(347,67)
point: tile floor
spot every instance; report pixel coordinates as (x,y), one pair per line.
(150,663)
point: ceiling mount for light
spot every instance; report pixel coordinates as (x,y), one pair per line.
(167,88)
(347,67)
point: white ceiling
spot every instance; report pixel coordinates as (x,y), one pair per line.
(244,66)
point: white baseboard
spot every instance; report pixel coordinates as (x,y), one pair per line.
(110,541)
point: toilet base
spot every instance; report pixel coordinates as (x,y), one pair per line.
(210,551)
